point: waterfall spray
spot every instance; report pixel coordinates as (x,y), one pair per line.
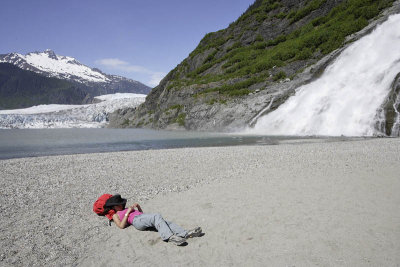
(346,98)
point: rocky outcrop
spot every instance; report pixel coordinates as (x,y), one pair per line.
(388,121)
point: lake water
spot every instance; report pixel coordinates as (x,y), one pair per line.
(17,143)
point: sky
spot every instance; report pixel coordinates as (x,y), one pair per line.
(139,39)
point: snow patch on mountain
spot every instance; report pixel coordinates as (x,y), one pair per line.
(69,116)
(60,66)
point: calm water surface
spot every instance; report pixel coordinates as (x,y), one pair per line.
(17,143)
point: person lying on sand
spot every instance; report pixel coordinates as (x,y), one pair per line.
(134,215)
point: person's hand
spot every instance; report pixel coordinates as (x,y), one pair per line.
(135,206)
(130,209)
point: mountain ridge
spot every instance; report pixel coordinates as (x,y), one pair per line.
(90,82)
(46,63)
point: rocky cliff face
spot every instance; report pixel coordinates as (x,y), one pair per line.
(250,68)
(389,121)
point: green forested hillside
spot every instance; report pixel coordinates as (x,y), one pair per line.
(239,58)
(20,88)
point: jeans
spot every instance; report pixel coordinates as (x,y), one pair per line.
(165,229)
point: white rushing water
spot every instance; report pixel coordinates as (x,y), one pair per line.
(345,99)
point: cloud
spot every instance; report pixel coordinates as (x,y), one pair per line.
(156,78)
(112,62)
(117,64)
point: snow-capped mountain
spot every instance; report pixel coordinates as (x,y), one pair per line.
(50,64)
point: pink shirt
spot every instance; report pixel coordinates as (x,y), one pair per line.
(132,215)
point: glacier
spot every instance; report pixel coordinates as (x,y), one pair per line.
(69,116)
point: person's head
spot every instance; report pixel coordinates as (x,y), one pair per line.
(116,202)
(118,207)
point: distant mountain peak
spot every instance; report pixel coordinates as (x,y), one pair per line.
(47,63)
(50,53)
(50,64)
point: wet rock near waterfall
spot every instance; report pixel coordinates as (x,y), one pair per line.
(391,109)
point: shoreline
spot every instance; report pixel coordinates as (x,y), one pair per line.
(30,143)
(329,203)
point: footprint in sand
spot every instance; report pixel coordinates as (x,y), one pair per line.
(206,205)
(152,242)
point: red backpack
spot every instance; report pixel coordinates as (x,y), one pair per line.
(98,206)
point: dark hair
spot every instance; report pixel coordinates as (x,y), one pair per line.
(115,200)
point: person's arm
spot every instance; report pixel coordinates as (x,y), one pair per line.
(122,224)
(136,205)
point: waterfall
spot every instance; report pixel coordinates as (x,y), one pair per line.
(346,98)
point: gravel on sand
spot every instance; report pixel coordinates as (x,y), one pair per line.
(329,204)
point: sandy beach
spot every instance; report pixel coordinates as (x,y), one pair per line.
(295,204)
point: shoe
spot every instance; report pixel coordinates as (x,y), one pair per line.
(196,232)
(176,240)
